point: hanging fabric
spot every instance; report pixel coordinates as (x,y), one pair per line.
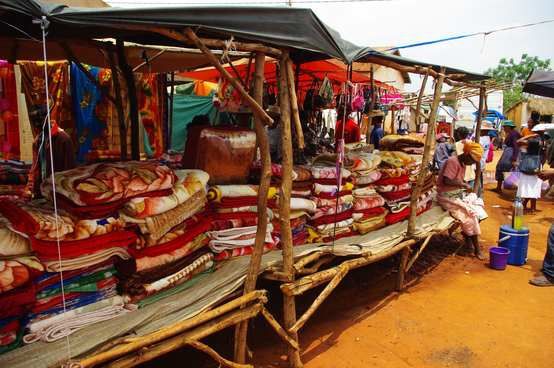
(9,122)
(151,113)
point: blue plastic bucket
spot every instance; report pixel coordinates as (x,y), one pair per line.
(517,241)
(498,257)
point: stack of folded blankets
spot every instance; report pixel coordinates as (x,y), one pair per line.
(368,210)
(301,206)
(234,219)
(334,203)
(18,270)
(172,242)
(13,177)
(412,144)
(85,249)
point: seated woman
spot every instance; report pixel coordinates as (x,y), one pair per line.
(450,189)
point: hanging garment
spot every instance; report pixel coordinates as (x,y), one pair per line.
(149,93)
(9,124)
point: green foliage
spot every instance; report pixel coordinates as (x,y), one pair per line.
(508,70)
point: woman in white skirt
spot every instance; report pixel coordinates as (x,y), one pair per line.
(529,186)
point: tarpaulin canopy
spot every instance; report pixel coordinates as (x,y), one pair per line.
(540,82)
(310,71)
(298,29)
(371,55)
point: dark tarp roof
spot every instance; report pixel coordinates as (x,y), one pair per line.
(298,29)
(540,82)
(371,55)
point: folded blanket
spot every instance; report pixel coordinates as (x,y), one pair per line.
(86,260)
(236,238)
(395,159)
(12,243)
(398,207)
(47,250)
(110,182)
(366,177)
(397,180)
(276,169)
(331,189)
(244,251)
(394,172)
(325,202)
(137,289)
(48,279)
(368,213)
(158,225)
(324,228)
(393,218)
(367,202)
(188,183)
(362,161)
(393,188)
(372,224)
(9,330)
(17,302)
(368,191)
(342,193)
(331,181)
(328,172)
(297,204)
(217,192)
(82,283)
(145,260)
(327,214)
(18,272)
(397,196)
(62,325)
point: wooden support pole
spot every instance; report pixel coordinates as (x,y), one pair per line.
(265,181)
(392,127)
(278,329)
(418,253)
(132,94)
(170,331)
(320,299)
(256,108)
(419,98)
(307,260)
(119,106)
(480,113)
(306,283)
(184,339)
(315,267)
(170,109)
(402,268)
(215,356)
(429,142)
(294,104)
(371,103)
(289,307)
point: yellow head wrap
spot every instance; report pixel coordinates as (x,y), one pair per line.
(473,149)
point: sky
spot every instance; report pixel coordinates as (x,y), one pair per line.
(403,22)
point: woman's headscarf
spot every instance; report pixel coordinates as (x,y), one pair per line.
(475,150)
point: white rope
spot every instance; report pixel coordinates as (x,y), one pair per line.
(43,25)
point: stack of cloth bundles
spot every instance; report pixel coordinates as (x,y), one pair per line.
(368,206)
(301,206)
(334,202)
(172,246)
(85,249)
(235,218)
(412,144)
(18,270)
(13,177)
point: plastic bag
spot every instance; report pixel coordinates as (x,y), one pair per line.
(511,180)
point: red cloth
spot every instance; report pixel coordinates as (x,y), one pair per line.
(393,181)
(351,131)
(19,219)
(392,196)
(324,195)
(300,238)
(393,218)
(195,230)
(371,212)
(48,250)
(232,202)
(16,302)
(102,210)
(329,219)
(330,181)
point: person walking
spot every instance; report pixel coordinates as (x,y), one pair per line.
(510,154)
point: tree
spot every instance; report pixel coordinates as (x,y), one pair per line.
(508,70)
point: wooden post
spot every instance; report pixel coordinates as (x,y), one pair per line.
(392,129)
(265,181)
(119,107)
(256,108)
(478,168)
(371,104)
(402,268)
(170,109)
(294,104)
(289,307)
(429,140)
(420,97)
(133,103)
